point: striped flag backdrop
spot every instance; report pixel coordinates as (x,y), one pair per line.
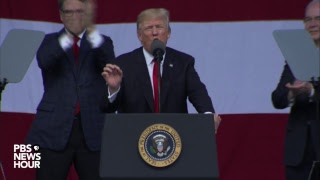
(236,57)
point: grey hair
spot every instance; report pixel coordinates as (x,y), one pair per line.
(311,3)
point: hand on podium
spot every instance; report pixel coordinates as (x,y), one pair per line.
(217,120)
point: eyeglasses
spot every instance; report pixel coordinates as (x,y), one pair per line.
(309,19)
(69,13)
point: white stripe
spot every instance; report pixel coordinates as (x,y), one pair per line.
(239,62)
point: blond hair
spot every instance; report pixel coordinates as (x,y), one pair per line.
(153,13)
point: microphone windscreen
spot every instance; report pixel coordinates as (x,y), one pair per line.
(157,45)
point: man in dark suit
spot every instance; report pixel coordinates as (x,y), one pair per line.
(302,144)
(68,123)
(131,79)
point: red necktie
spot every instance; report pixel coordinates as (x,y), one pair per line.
(76,50)
(155,85)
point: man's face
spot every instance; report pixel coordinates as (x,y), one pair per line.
(312,21)
(73,16)
(151,29)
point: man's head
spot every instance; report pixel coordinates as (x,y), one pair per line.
(312,20)
(72,15)
(153,24)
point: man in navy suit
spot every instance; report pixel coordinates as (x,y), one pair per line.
(131,78)
(69,122)
(302,144)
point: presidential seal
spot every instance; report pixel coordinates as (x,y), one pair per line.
(159,145)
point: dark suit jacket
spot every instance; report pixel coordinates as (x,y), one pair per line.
(179,82)
(65,83)
(302,115)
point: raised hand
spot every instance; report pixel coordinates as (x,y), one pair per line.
(112,74)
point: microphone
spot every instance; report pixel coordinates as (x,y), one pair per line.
(157,49)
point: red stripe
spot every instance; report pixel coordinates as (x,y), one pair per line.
(119,11)
(250,146)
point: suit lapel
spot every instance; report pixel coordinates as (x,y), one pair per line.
(71,60)
(84,50)
(166,76)
(144,79)
(70,55)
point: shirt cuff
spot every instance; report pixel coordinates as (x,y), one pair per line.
(311,95)
(291,102)
(312,92)
(113,96)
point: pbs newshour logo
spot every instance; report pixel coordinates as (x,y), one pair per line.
(26,156)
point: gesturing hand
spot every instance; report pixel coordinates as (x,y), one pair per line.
(112,74)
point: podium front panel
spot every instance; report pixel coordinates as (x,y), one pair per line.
(120,157)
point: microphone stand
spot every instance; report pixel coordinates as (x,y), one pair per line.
(3,83)
(158,56)
(316,96)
